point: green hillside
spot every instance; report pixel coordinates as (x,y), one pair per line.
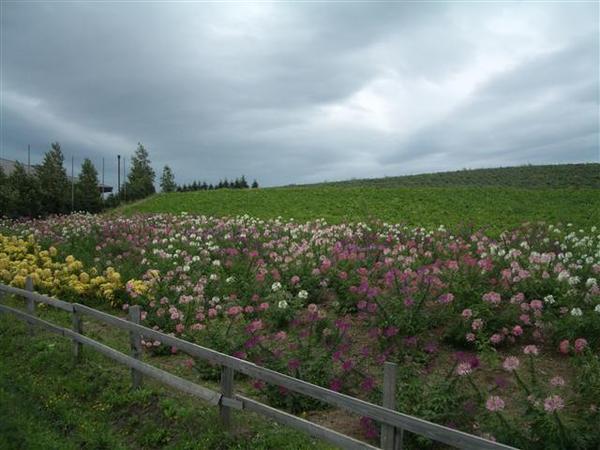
(493,208)
(549,176)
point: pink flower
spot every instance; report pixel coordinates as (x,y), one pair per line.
(179,328)
(446,298)
(511,363)
(470,337)
(564,346)
(580,345)
(464,368)
(361,304)
(496,338)
(554,403)
(557,381)
(467,313)
(335,385)
(517,330)
(492,297)
(408,302)
(477,324)
(254,326)
(295,280)
(312,308)
(494,403)
(536,304)
(263,306)
(531,350)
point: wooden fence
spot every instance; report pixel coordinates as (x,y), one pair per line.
(393,423)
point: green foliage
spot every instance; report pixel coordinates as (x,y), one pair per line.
(47,402)
(167,180)
(496,209)
(5,194)
(87,194)
(140,180)
(53,182)
(24,193)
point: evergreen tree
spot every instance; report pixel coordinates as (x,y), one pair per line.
(6,200)
(140,180)
(26,192)
(254,184)
(211,187)
(195,186)
(54,182)
(167,181)
(204,186)
(243,183)
(87,192)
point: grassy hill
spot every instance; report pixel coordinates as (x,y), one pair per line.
(548,176)
(493,208)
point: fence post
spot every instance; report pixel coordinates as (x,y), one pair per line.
(135,340)
(227,391)
(391,437)
(77,327)
(30,302)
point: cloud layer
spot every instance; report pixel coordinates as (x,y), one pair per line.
(295,93)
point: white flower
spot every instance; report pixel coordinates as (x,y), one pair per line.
(282,304)
(563,275)
(303,295)
(597,308)
(214,277)
(186,268)
(276,286)
(549,299)
(215,300)
(573,281)
(216,263)
(590,282)
(576,312)
(230,280)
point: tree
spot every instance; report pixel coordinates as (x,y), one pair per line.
(26,192)
(53,182)
(243,183)
(6,195)
(87,192)
(167,180)
(254,184)
(140,180)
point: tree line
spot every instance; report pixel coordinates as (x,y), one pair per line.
(48,189)
(238,183)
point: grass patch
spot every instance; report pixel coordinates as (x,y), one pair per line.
(48,402)
(496,209)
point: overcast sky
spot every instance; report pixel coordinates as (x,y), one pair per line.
(302,92)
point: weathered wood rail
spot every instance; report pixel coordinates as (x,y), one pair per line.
(393,423)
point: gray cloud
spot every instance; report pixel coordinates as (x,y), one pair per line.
(293,93)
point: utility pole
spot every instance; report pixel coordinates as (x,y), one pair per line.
(125,179)
(102,188)
(72,183)
(119,175)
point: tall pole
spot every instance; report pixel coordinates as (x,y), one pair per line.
(72,183)
(119,175)
(125,178)
(102,188)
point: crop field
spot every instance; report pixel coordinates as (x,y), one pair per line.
(492,208)
(496,333)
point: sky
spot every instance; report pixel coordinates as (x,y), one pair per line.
(301,92)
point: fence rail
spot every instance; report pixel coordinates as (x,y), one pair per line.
(394,423)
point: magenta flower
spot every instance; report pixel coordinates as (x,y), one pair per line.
(531,350)
(464,368)
(554,403)
(511,363)
(467,313)
(494,403)
(580,345)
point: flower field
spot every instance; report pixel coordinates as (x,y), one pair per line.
(497,335)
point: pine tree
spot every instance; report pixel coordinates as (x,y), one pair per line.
(195,186)
(243,183)
(54,182)
(254,184)
(87,192)
(140,180)
(6,197)
(167,180)
(26,191)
